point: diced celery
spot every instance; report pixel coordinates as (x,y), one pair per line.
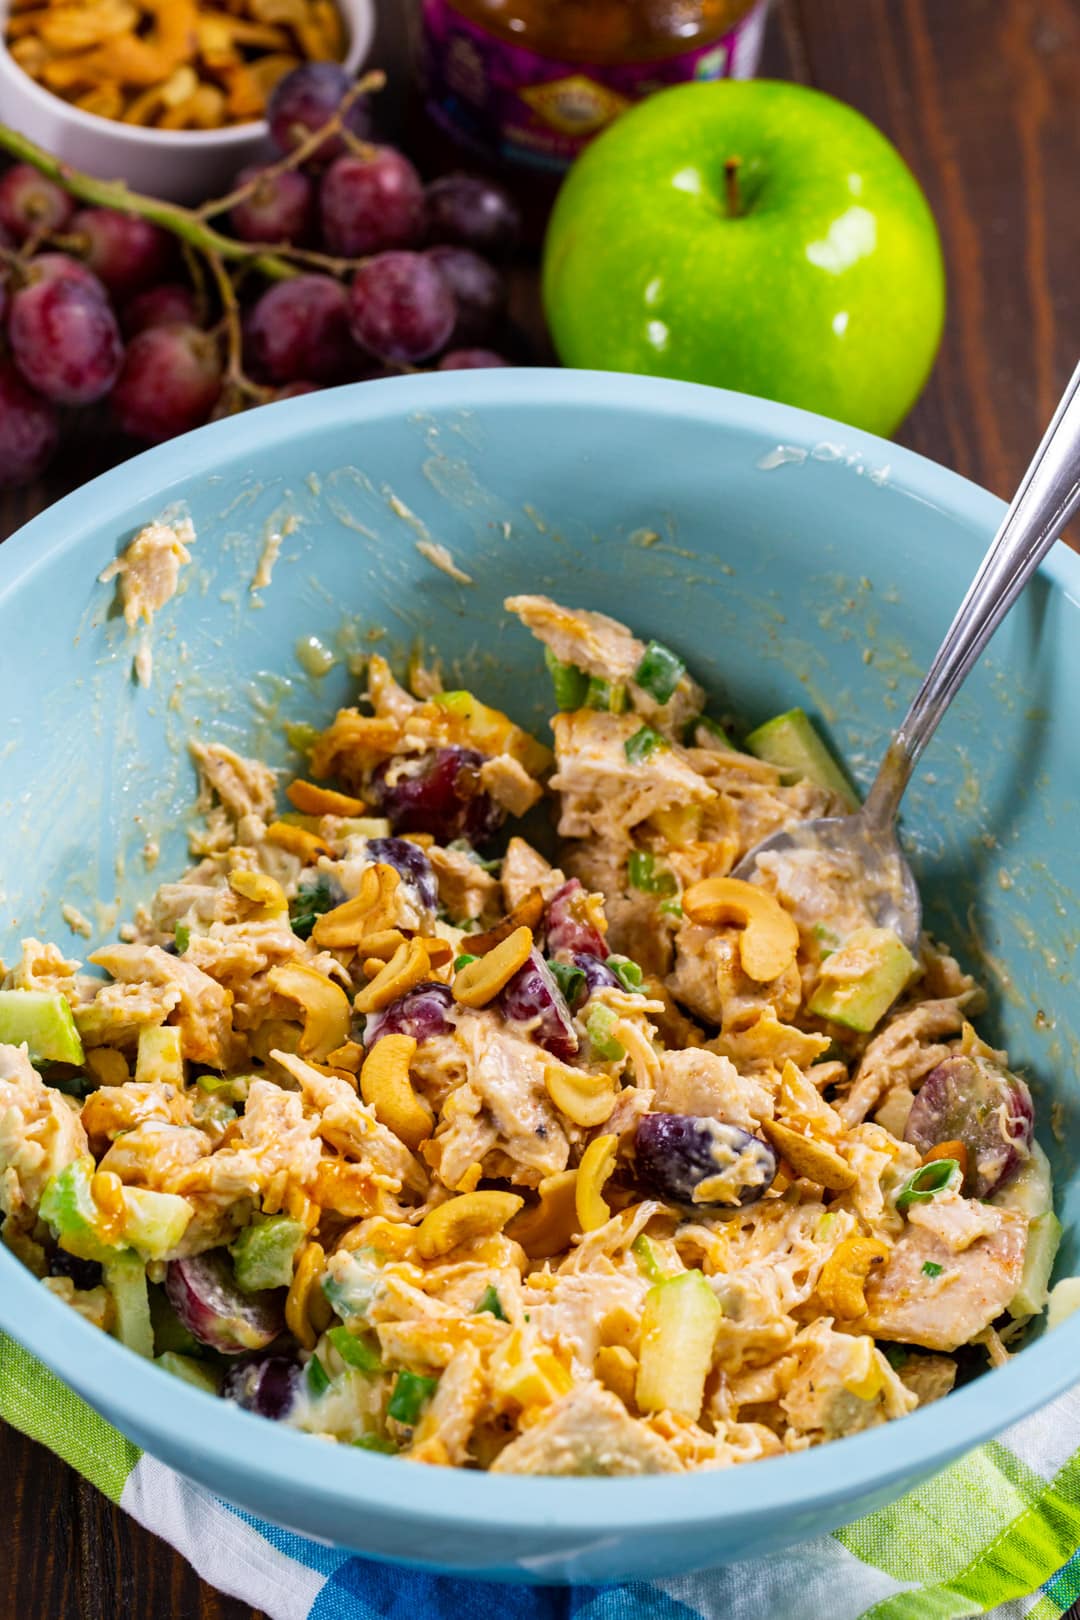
(791,742)
(159,1056)
(859,982)
(263,1254)
(68,1206)
(1044,1235)
(125,1279)
(678,1334)
(154,1222)
(569,682)
(659,671)
(41,1018)
(198,1373)
(609,697)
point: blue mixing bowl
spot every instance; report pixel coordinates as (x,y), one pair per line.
(790,560)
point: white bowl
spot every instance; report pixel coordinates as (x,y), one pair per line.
(180,165)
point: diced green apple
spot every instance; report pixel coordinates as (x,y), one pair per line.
(1044,1235)
(41,1018)
(790,742)
(859,982)
(263,1254)
(159,1058)
(678,1334)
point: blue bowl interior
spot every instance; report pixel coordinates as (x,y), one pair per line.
(788,560)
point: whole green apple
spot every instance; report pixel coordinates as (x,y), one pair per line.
(755,235)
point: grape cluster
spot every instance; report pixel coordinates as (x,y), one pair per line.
(378,273)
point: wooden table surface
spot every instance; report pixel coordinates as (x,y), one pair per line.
(982,98)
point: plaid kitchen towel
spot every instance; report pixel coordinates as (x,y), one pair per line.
(998,1531)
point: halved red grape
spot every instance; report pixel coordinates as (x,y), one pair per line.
(410,861)
(470,360)
(65,341)
(170,382)
(124,251)
(477,213)
(532,997)
(370,203)
(676,1153)
(30,204)
(400,307)
(421,1012)
(569,926)
(300,328)
(439,793)
(598,976)
(204,1294)
(971,1100)
(307,98)
(168,304)
(281,208)
(266,1386)
(479,291)
(29,429)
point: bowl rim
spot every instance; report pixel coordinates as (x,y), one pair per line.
(275,1460)
(359,17)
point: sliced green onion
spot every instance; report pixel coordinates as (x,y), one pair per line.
(354,1351)
(570,980)
(318,1380)
(660,671)
(608,696)
(376,1442)
(703,722)
(932,1269)
(643,873)
(671,908)
(412,1391)
(569,682)
(628,973)
(645,741)
(309,903)
(181,938)
(490,1301)
(649,1263)
(463,961)
(600,1026)
(927,1180)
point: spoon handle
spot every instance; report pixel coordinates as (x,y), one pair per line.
(1045,501)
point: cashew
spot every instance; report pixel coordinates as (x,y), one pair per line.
(547,1227)
(408,966)
(770,939)
(597,1163)
(307,1310)
(350,1057)
(325,1005)
(385,1085)
(313,800)
(297,840)
(840,1285)
(523,1374)
(470,1215)
(617,1368)
(371,910)
(480,982)
(816,1160)
(262,890)
(587,1099)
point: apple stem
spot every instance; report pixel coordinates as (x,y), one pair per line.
(732,198)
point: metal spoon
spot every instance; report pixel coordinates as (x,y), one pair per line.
(862,849)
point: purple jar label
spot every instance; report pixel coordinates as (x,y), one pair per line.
(510,102)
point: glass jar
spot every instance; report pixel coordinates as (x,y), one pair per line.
(528,83)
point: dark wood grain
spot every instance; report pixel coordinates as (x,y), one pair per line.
(982,98)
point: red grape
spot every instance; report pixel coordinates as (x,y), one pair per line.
(370,203)
(30,204)
(124,251)
(170,381)
(676,1153)
(569,926)
(413,865)
(305,99)
(532,997)
(65,341)
(266,1385)
(478,288)
(29,429)
(988,1109)
(300,329)
(281,208)
(474,212)
(62,267)
(400,308)
(470,360)
(421,1012)
(203,1292)
(439,793)
(163,305)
